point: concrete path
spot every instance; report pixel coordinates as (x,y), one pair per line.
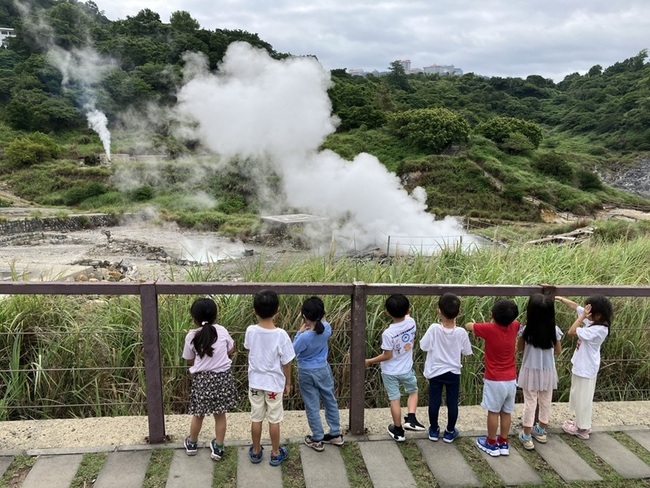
(382,458)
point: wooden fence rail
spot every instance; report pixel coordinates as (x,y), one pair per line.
(357,291)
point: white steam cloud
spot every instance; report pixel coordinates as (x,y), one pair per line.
(98,122)
(83,67)
(278,113)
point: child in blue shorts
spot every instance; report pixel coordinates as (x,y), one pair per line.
(397,366)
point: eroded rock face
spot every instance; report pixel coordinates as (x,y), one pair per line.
(633,180)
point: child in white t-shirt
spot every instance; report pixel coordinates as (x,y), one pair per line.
(444,344)
(269,376)
(397,366)
(596,319)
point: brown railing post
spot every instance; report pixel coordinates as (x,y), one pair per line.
(152,363)
(357,359)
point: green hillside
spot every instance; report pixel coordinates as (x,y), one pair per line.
(488,147)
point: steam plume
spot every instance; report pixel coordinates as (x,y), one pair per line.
(278,113)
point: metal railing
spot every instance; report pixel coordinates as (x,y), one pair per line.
(357,291)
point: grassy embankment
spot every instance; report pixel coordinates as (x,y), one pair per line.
(81,356)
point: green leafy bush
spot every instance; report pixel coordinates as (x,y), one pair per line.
(554,165)
(83,191)
(589,181)
(32,149)
(142,193)
(432,129)
(499,129)
(517,143)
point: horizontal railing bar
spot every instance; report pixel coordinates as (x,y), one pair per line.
(170,288)
(252,287)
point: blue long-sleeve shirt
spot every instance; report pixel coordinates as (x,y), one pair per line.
(311,348)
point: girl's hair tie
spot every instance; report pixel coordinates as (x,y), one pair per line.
(204,322)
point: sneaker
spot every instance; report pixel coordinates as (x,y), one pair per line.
(539,434)
(413,424)
(315,445)
(336,440)
(396,433)
(190,447)
(491,449)
(255,458)
(215,452)
(526,441)
(282,456)
(504,448)
(434,434)
(449,437)
(571,428)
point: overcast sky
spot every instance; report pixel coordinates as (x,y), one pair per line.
(552,38)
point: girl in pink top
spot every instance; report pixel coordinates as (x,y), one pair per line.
(208,349)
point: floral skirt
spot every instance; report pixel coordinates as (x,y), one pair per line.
(213,393)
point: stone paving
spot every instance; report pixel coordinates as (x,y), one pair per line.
(126,466)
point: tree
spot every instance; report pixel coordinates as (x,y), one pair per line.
(182,21)
(431,129)
(397,77)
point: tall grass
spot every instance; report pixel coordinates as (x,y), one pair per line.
(63,356)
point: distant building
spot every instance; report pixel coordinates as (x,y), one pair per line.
(442,70)
(408,69)
(5,33)
(406,64)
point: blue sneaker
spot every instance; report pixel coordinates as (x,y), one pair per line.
(491,449)
(449,437)
(434,434)
(282,456)
(504,448)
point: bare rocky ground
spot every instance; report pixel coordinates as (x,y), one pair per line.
(137,250)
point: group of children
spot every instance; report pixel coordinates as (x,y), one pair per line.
(270,351)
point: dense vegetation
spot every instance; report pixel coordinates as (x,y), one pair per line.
(488,147)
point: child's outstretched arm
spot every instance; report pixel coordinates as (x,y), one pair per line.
(586,312)
(384,356)
(470,326)
(567,302)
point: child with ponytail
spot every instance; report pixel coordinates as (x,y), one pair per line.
(207,350)
(315,375)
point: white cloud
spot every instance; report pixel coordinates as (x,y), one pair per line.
(493,37)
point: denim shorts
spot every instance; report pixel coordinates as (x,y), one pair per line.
(392,384)
(499,396)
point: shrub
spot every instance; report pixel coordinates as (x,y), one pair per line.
(142,193)
(32,149)
(555,165)
(83,191)
(516,143)
(589,181)
(499,129)
(432,129)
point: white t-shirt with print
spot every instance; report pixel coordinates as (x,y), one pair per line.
(444,348)
(269,350)
(399,337)
(586,357)
(219,361)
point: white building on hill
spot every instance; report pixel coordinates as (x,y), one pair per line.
(5,32)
